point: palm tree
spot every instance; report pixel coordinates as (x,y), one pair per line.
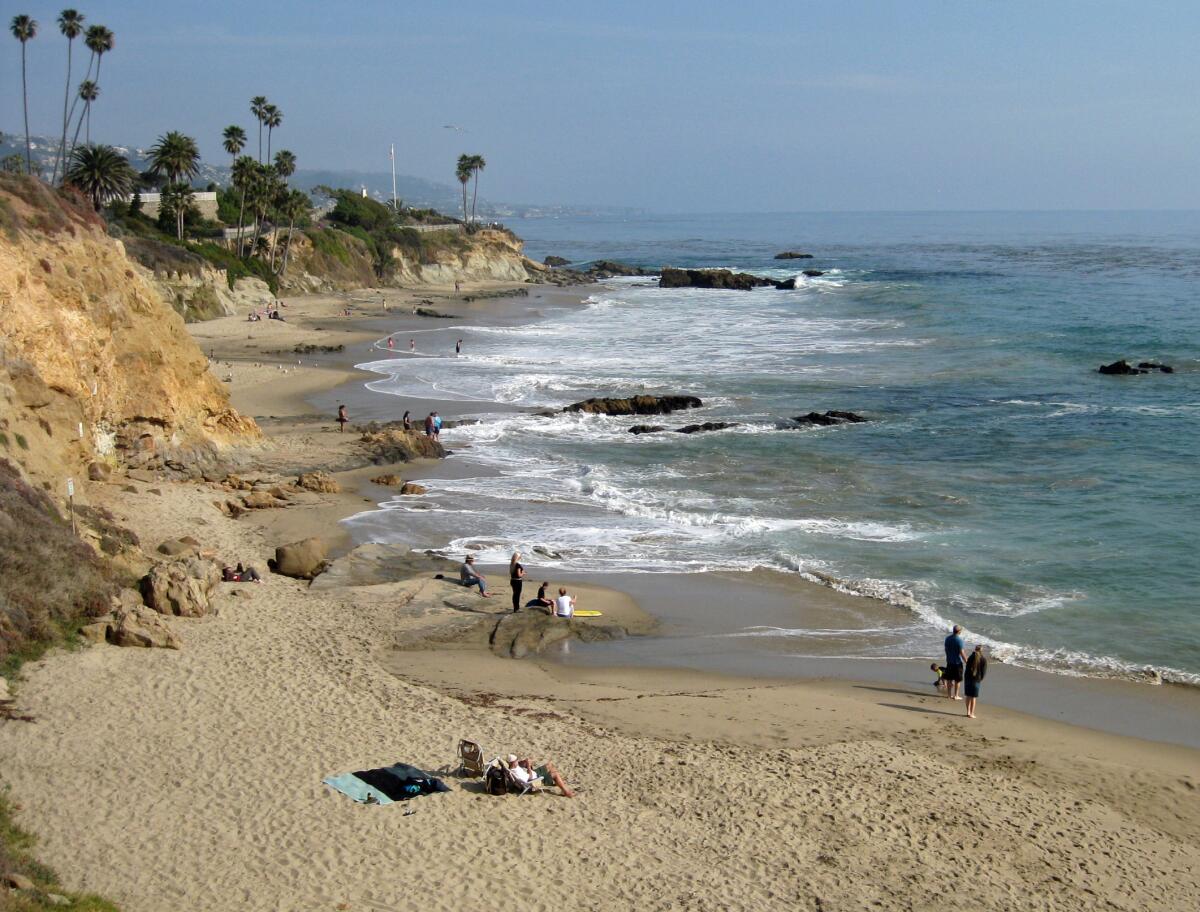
(243,174)
(285,163)
(101,172)
(294,206)
(273,117)
(463,173)
(234,140)
(24,30)
(258,107)
(70,23)
(177,157)
(88,92)
(262,192)
(477,165)
(99,40)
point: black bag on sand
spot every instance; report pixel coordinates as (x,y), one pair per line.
(494,782)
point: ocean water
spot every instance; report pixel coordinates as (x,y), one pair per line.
(1001,482)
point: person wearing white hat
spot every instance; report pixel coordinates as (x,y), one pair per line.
(524,772)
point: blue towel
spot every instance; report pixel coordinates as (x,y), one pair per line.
(353,787)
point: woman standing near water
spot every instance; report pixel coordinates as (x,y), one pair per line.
(976,669)
(516,579)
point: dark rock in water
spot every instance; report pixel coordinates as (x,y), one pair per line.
(1154,365)
(813,273)
(546,552)
(637,405)
(556,261)
(714,278)
(646,429)
(793,255)
(829,418)
(707,426)
(786,285)
(430,312)
(607,269)
(1121,367)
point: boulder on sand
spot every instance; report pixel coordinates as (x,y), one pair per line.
(793,255)
(318,483)
(636,405)
(388,444)
(829,418)
(181,587)
(301,560)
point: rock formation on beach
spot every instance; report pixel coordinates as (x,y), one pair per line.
(718,278)
(830,418)
(637,405)
(1123,367)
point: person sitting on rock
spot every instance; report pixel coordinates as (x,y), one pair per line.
(541,601)
(525,773)
(564,605)
(469,576)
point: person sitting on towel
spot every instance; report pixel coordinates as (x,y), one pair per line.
(564,605)
(524,772)
(469,576)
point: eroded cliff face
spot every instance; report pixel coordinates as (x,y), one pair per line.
(94,365)
(486,255)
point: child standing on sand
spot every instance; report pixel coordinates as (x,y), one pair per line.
(342,418)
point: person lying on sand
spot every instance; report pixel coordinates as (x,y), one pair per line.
(526,773)
(240,575)
(469,576)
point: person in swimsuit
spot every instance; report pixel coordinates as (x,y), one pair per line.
(516,579)
(458,347)
(342,418)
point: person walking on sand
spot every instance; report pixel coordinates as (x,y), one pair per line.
(516,579)
(342,418)
(429,425)
(976,670)
(956,657)
(458,347)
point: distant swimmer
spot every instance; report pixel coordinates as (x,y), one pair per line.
(412,345)
(458,347)
(391,343)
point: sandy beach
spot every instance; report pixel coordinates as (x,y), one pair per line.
(200,769)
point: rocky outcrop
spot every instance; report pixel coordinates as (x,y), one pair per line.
(717,278)
(706,426)
(319,483)
(813,273)
(394,444)
(528,633)
(131,623)
(793,255)
(646,429)
(194,287)
(1123,367)
(410,489)
(86,339)
(554,261)
(181,587)
(390,480)
(301,560)
(635,405)
(829,418)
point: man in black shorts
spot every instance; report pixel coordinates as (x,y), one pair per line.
(956,658)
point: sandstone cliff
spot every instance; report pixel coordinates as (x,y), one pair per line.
(195,288)
(94,365)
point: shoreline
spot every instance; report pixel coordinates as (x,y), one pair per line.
(1163,713)
(229,738)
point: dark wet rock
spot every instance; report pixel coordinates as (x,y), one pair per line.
(786,285)
(707,426)
(793,255)
(530,632)
(553,261)
(546,552)
(308,348)
(829,418)
(635,405)
(436,314)
(1155,366)
(608,269)
(1121,367)
(714,278)
(813,273)
(646,429)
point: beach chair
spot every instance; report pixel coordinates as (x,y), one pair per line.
(470,759)
(516,785)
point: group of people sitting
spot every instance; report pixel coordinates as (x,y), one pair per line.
(563,605)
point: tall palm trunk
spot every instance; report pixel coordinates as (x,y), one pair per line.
(62,145)
(25,99)
(474,195)
(260,140)
(241,212)
(269,129)
(71,115)
(287,250)
(87,141)
(464,188)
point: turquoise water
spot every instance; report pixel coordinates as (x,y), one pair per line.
(1001,482)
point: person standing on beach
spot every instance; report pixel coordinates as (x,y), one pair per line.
(429,425)
(412,345)
(342,418)
(976,670)
(458,347)
(956,657)
(437,426)
(407,421)
(516,579)
(391,344)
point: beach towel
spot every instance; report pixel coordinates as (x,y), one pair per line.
(386,784)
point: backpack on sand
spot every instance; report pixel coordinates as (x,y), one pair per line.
(494,781)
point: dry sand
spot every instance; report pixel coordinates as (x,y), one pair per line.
(192,779)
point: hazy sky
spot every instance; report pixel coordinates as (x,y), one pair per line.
(673,106)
